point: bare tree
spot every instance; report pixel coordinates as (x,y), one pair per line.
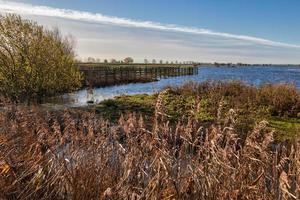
(113,60)
(128,60)
(91,60)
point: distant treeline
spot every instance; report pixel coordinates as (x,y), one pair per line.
(131,60)
(155,61)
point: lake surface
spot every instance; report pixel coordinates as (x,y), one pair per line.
(254,75)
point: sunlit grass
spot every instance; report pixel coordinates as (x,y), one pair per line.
(198,141)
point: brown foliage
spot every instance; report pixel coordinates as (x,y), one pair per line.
(58,155)
(280,99)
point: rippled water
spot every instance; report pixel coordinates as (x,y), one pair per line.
(255,75)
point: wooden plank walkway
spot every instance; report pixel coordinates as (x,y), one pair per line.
(102,74)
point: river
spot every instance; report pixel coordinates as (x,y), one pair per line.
(254,75)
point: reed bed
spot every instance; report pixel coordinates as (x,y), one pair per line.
(62,155)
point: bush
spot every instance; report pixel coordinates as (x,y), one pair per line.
(275,99)
(34,61)
(282,99)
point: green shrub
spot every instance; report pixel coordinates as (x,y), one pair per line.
(34,61)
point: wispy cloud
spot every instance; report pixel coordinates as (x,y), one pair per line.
(28,9)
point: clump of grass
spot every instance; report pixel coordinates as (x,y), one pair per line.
(282,99)
(202,114)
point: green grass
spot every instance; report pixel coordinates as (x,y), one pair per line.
(176,106)
(286,128)
(113,108)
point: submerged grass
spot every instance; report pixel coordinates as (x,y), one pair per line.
(216,148)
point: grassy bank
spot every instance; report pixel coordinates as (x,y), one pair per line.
(197,141)
(279,105)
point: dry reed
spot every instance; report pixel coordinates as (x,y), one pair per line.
(58,155)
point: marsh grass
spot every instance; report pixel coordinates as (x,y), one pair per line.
(66,155)
(278,104)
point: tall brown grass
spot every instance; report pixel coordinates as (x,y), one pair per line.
(61,155)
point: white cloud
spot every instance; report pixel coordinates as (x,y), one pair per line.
(110,37)
(28,9)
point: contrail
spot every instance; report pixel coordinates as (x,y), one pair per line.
(29,9)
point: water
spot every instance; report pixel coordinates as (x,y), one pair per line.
(254,75)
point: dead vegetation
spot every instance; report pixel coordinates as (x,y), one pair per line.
(58,155)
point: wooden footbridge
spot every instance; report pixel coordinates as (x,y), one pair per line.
(105,74)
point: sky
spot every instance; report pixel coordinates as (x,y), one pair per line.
(256,31)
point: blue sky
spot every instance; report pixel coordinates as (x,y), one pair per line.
(272,20)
